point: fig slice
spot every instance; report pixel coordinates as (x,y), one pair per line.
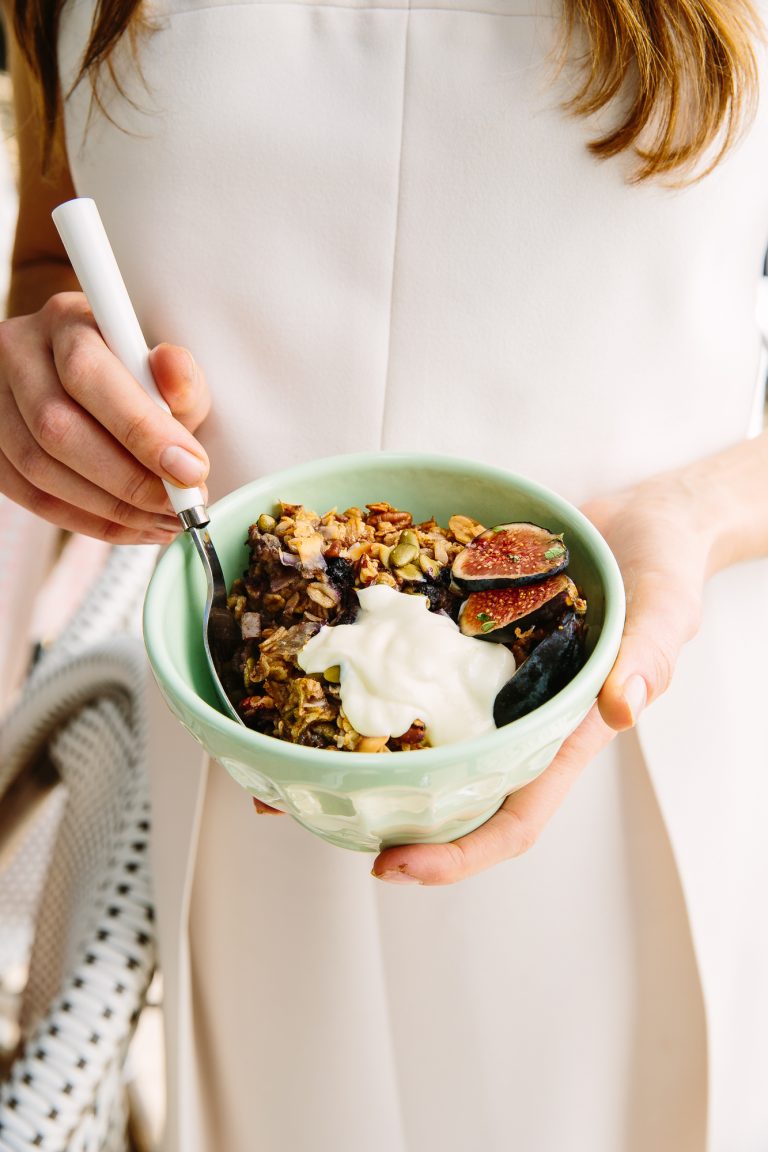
(498,613)
(551,665)
(509,555)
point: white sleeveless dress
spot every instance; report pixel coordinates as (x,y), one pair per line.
(375,227)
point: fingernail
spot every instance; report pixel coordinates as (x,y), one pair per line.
(396,876)
(190,371)
(636,696)
(182,465)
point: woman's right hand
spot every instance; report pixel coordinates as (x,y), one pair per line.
(81,443)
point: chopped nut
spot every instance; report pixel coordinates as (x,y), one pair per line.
(382,553)
(236,605)
(368,570)
(372,744)
(441,551)
(387,578)
(357,551)
(429,567)
(464,528)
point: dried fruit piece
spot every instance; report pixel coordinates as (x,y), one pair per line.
(509,555)
(551,665)
(497,613)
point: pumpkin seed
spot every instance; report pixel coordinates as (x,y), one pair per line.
(410,572)
(408,536)
(403,554)
(429,565)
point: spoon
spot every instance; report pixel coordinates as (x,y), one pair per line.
(82,232)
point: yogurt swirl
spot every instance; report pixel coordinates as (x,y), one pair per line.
(399,662)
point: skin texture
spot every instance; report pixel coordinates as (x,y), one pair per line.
(82,446)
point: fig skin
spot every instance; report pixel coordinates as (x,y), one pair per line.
(551,665)
(508,556)
(499,614)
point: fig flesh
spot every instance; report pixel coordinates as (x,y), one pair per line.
(509,555)
(550,666)
(501,614)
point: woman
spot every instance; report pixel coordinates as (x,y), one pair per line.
(378,226)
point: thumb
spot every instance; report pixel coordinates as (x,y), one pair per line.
(661,618)
(181,384)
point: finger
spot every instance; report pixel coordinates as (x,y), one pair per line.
(72,436)
(67,433)
(49,475)
(661,617)
(67,516)
(511,831)
(181,383)
(99,383)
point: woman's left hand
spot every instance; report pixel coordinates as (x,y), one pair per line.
(663,536)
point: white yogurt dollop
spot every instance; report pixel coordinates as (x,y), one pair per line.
(400,662)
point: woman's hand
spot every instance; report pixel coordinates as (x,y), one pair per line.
(663,535)
(81,444)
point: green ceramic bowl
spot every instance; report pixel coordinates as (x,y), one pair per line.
(354,799)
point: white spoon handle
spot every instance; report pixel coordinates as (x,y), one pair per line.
(83,235)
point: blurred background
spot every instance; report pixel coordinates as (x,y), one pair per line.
(44,577)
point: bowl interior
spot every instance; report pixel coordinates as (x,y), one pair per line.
(426,487)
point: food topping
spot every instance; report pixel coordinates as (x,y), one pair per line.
(510,554)
(348,625)
(503,613)
(401,663)
(553,662)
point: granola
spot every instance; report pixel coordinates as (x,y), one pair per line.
(303,572)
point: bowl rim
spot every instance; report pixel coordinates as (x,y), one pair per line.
(591,677)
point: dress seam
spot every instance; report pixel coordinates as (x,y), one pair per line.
(396,237)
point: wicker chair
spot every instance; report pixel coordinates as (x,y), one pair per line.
(83,710)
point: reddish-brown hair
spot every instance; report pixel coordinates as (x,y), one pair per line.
(686,72)
(682,74)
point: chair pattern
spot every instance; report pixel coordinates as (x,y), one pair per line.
(94,951)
